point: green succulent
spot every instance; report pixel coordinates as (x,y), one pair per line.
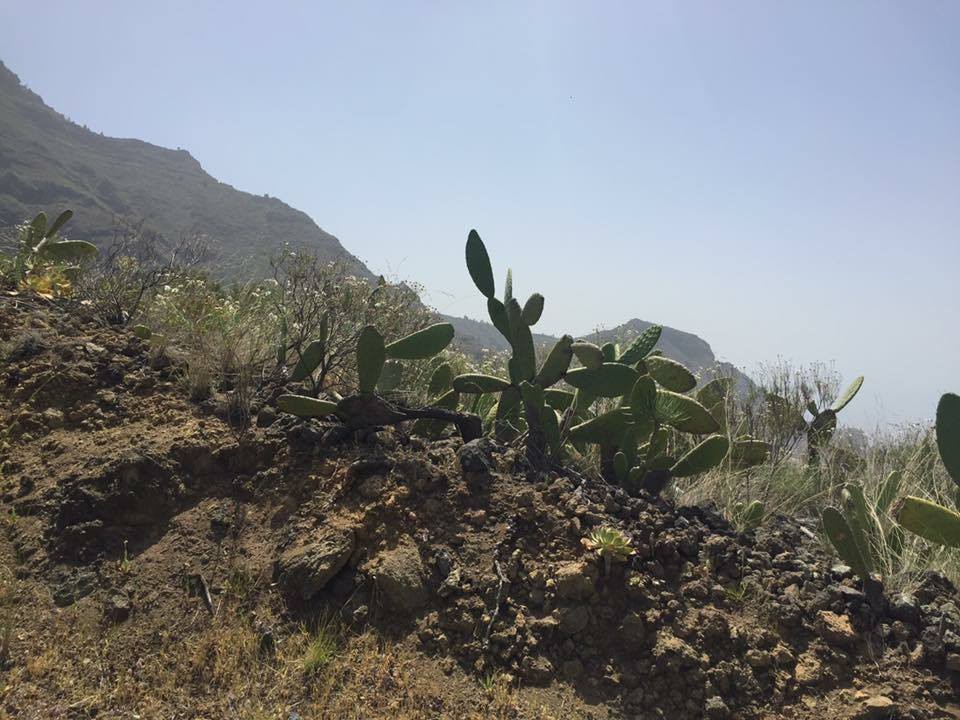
(856,533)
(39,245)
(377,370)
(521,397)
(610,544)
(938,524)
(749,515)
(821,428)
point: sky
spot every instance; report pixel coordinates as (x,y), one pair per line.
(780,178)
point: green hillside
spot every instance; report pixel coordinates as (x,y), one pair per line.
(48,163)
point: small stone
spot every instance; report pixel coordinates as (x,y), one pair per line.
(632,630)
(906,608)
(759,659)
(399,574)
(835,629)
(716,709)
(476,456)
(575,580)
(875,707)
(266,417)
(536,670)
(782,655)
(306,568)
(809,670)
(372,487)
(118,607)
(53,418)
(953,662)
(574,620)
(450,584)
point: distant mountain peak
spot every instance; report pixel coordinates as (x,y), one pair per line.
(687,348)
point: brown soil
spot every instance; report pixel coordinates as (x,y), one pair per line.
(156,562)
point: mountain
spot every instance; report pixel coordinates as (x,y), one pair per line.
(473,336)
(49,163)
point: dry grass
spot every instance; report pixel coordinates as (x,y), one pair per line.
(216,667)
(791,488)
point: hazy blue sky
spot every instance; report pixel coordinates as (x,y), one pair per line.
(782,179)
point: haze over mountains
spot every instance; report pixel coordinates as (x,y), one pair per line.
(48,163)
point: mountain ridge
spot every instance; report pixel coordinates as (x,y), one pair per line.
(475,336)
(48,162)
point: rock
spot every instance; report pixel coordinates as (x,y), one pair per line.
(118,607)
(851,596)
(906,608)
(450,584)
(74,587)
(875,707)
(53,418)
(536,670)
(266,417)
(932,641)
(399,574)
(782,655)
(835,629)
(574,619)
(809,670)
(365,467)
(716,709)
(307,567)
(476,456)
(575,580)
(759,659)
(953,662)
(372,487)
(632,630)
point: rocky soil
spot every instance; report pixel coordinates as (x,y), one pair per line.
(141,519)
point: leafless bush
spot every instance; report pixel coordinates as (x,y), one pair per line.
(312,292)
(135,264)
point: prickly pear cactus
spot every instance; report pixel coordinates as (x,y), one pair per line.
(524,386)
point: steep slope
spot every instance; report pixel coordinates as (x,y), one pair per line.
(48,162)
(155,563)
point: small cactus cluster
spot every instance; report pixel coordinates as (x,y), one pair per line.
(641,440)
(43,256)
(367,408)
(856,533)
(936,523)
(653,405)
(821,428)
(523,395)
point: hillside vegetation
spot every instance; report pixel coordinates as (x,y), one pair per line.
(294,498)
(47,161)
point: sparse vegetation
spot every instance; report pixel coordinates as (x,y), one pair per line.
(596,441)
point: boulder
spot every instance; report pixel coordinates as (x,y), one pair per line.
(307,567)
(400,576)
